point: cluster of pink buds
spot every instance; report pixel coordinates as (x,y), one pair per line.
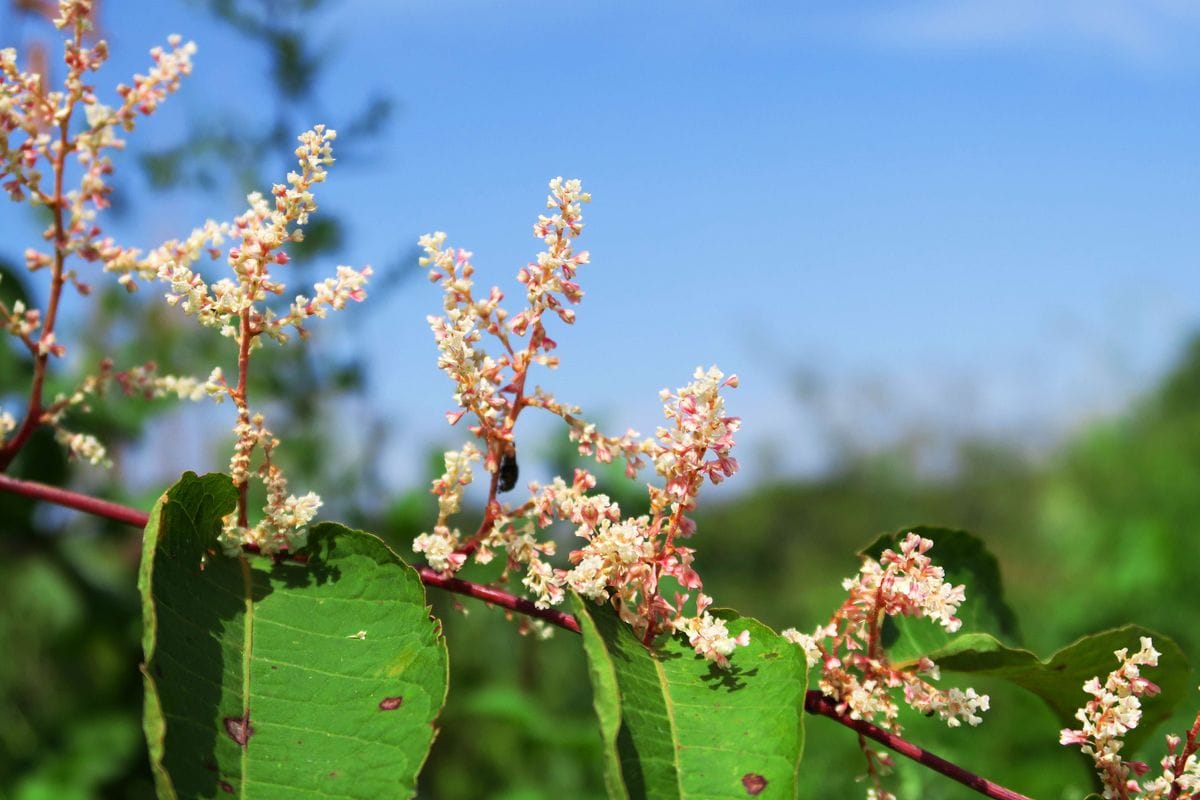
(1114,710)
(855,670)
(623,560)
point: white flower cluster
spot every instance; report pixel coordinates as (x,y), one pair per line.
(709,635)
(259,233)
(441,544)
(854,667)
(41,140)
(1114,710)
(239,307)
(855,671)
(696,446)
(623,560)
(285,516)
(83,446)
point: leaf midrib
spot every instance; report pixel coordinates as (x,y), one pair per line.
(669,707)
(247,642)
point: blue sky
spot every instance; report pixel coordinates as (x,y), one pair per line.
(955,217)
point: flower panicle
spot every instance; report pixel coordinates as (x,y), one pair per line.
(258,238)
(855,670)
(55,151)
(240,307)
(622,559)
(1115,709)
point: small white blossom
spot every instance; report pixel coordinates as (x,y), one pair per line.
(8,424)
(439,549)
(709,636)
(83,446)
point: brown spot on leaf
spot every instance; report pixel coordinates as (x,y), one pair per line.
(226,787)
(210,766)
(754,783)
(239,728)
(390,703)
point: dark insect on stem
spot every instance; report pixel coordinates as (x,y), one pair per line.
(507,476)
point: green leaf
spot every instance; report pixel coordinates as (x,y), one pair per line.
(1059,680)
(677,726)
(268,678)
(967,561)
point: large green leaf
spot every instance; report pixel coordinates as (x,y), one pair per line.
(268,678)
(966,560)
(676,726)
(1059,680)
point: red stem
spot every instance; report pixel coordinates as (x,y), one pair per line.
(35,412)
(814,701)
(817,703)
(132,516)
(80,502)
(497,597)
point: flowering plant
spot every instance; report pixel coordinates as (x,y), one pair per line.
(261,634)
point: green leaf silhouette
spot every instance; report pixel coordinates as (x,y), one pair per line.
(273,678)
(1059,679)
(676,726)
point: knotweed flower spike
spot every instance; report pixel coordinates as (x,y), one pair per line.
(239,308)
(44,141)
(855,670)
(37,129)
(622,559)
(1114,710)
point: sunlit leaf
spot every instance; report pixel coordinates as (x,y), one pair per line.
(270,678)
(677,726)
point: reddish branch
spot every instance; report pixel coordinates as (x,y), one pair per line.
(80,502)
(817,703)
(498,598)
(814,701)
(41,355)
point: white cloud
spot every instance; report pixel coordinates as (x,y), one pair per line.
(1147,31)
